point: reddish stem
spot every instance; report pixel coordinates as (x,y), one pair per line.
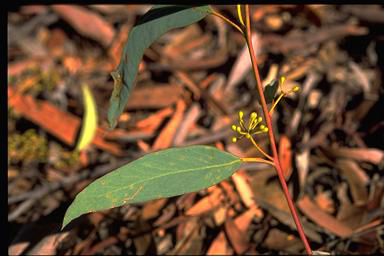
(271,135)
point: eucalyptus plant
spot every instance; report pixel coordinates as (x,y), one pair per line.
(176,171)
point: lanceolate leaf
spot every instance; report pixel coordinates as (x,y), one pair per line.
(155,23)
(89,125)
(164,173)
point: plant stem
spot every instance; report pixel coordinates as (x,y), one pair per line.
(259,160)
(275,103)
(270,133)
(258,148)
(228,21)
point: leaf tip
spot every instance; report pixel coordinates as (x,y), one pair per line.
(111,125)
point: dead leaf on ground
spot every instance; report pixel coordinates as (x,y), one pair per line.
(215,60)
(87,23)
(242,65)
(145,147)
(164,140)
(230,192)
(48,245)
(190,119)
(244,189)
(302,161)
(331,224)
(33,9)
(285,155)
(372,155)
(154,96)
(116,48)
(324,201)
(152,208)
(155,119)
(206,204)
(219,215)
(189,238)
(177,40)
(18,248)
(244,220)
(279,240)
(357,180)
(220,246)
(237,237)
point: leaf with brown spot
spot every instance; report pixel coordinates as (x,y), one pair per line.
(160,174)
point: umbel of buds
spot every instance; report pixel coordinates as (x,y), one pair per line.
(251,129)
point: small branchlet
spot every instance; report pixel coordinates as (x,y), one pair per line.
(283,93)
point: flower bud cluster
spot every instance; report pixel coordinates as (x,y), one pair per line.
(252,128)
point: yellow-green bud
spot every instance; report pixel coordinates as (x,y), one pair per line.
(253,115)
(234,139)
(296,89)
(282,80)
(238,129)
(241,114)
(262,127)
(265,129)
(234,127)
(259,119)
(248,135)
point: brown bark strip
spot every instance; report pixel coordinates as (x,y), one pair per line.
(87,23)
(323,219)
(164,140)
(155,96)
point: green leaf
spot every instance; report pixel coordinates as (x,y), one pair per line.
(269,91)
(161,174)
(156,22)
